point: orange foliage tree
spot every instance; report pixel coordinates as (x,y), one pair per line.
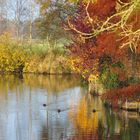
(100,30)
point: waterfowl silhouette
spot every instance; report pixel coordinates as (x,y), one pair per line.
(58,110)
(93,110)
(44,105)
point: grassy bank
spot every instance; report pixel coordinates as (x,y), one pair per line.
(36,57)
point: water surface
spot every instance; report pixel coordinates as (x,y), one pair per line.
(68,114)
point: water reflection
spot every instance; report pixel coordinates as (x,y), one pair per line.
(23,117)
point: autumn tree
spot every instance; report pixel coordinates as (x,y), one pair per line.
(103,32)
(52,14)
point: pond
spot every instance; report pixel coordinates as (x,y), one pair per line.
(37,107)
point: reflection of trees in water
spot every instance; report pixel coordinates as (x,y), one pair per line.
(10,83)
(44,133)
(103,124)
(53,83)
(84,121)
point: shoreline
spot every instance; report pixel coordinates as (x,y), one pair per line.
(129,106)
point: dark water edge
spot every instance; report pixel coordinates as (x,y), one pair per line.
(23,116)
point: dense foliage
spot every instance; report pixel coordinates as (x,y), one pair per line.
(52,13)
(12,57)
(100,30)
(18,57)
(130,93)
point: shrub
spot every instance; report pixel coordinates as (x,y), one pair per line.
(18,56)
(131,92)
(12,57)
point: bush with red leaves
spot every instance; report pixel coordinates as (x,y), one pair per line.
(131,92)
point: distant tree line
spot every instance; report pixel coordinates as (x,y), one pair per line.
(35,19)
